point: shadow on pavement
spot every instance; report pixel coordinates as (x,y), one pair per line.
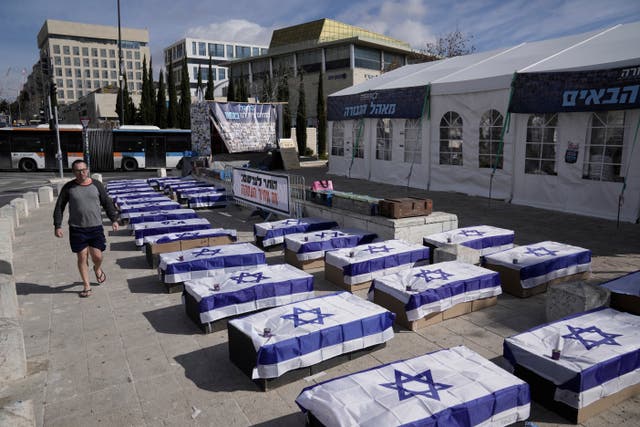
(137,262)
(171,320)
(146,285)
(296,419)
(33,288)
(199,367)
(122,246)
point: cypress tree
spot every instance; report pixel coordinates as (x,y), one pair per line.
(322,119)
(185,98)
(283,96)
(209,94)
(152,95)
(129,108)
(301,119)
(242,90)
(199,85)
(143,116)
(172,111)
(231,90)
(161,104)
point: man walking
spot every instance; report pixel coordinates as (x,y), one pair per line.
(86,198)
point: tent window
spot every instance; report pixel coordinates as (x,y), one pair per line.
(358,139)
(384,132)
(540,151)
(337,139)
(603,161)
(412,141)
(451,139)
(489,140)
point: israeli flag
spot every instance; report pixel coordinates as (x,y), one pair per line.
(225,294)
(625,285)
(160,215)
(484,238)
(451,387)
(196,263)
(307,332)
(273,232)
(143,229)
(542,262)
(310,246)
(190,235)
(437,287)
(366,262)
(599,354)
(126,209)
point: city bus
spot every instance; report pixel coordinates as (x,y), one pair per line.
(128,148)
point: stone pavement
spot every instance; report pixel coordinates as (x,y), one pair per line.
(128,355)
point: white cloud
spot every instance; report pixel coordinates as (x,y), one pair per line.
(237,30)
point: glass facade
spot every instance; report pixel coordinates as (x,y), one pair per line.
(367,58)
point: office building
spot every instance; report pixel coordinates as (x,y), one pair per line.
(198,51)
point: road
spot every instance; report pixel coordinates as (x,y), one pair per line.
(14,184)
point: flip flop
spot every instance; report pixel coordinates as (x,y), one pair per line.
(85,293)
(100,277)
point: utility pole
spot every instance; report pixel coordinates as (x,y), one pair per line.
(121,67)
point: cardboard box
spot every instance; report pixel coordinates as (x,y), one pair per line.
(405,207)
(510,281)
(543,392)
(363,205)
(336,276)
(398,307)
(291,258)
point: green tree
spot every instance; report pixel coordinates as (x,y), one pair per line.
(243,92)
(129,108)
(301,119)
(452,44)
(185,97)
(210,82)
(143,112)
(283,96)
(199,85)
(172,110)
(161,104)
(322,119)
(152,95)
(231,90)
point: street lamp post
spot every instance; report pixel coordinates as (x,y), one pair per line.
(120,63)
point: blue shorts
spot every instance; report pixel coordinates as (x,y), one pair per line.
(80,238)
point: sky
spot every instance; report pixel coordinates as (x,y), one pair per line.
(491,23)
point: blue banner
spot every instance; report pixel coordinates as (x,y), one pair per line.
(574,91)
(406,103)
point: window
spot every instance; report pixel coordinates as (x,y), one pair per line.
(130,65)
(94,51)
(195,72)
(85,51)
(95,63)
(112,53)
(451,139)
(56,49)
(139,86)
(412,141)
(103,53)
(229,51)
(96,74)
(337,139)
(69,94)
(138,65)
(202,49)
(222,73)
(489,154)
(243,51)
(337,57)
(112,63)
(136,55)
(66,50)
(367,58)
(138,75)
(392,61)
(540,151)
(78,72)
(216,49)
(59,72)
(384,132)
(59,83)
(87,73)
(105,74)
(603,160)
(357,135)
(255,51)
(68,72)
(114,74)
(194,48)
(67,61)
(87,84)
(310,61)
(96,84)
(76,50)
(130,76)
(60,94)
(104,63)
(79,84)
(85,62)
(76,62)
(57,60)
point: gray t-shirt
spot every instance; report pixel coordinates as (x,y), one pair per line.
(85,205)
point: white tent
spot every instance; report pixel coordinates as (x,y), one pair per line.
(572,159)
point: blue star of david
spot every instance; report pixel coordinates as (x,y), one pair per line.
(469,233)
(297,321)
(424,377)
(576,334)
(429,275)
(377,249)
(172,222)
(186,234)
(244,277)
(292,222)
(329,234)
(541,251)
(206,251)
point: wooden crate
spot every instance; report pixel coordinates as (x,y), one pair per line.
(405,207)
